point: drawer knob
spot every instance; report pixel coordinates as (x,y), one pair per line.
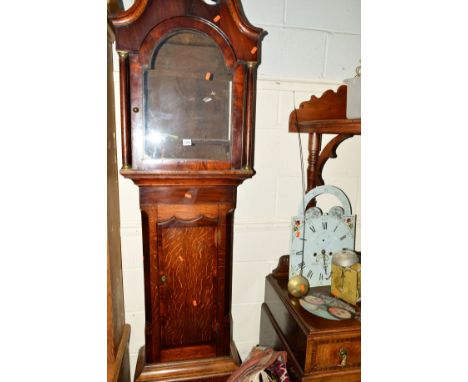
(344,357)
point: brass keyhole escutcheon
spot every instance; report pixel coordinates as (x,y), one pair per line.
(344,357)
(163,279)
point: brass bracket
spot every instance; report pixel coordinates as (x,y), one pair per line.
(343,353)
(122,53)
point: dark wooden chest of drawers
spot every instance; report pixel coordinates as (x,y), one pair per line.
(318,349)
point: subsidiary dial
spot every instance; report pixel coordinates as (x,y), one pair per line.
(313,213)
(337,212)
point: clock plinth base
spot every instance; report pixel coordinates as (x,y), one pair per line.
(216,369)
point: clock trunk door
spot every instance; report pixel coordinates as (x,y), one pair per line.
(188,263)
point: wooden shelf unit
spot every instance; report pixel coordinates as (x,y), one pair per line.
(318,116)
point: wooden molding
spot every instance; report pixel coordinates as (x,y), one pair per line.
(198,369)
(330,105)
(227,17)
(120,17)
(282,269)
(186,178)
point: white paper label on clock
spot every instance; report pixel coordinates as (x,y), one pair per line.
(186,142)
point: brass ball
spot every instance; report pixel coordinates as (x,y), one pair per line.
(298,286)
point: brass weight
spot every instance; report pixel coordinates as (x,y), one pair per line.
(298,286)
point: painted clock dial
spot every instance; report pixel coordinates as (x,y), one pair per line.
(320,236)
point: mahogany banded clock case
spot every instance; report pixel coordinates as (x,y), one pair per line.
(187,89)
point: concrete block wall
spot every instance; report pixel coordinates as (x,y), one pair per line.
(308,39)
(311,46)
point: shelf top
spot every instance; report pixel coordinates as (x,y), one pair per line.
(324,115)
(328,126)
(307,321)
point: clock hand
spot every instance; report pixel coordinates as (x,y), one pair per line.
(324,262)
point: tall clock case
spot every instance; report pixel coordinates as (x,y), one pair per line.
(187,76)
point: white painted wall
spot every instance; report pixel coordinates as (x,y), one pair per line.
(311,46)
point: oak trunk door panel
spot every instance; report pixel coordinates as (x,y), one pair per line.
(188,283)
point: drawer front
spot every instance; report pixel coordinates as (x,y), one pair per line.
(334,353)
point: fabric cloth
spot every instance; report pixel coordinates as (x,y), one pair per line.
(262,365)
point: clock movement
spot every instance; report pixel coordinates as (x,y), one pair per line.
(346,279)
(187,89)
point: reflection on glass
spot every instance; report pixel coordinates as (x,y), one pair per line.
(188,101)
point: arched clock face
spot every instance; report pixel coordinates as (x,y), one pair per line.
(323,235)
(319,236)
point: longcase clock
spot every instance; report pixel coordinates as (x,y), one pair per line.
(187,88)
